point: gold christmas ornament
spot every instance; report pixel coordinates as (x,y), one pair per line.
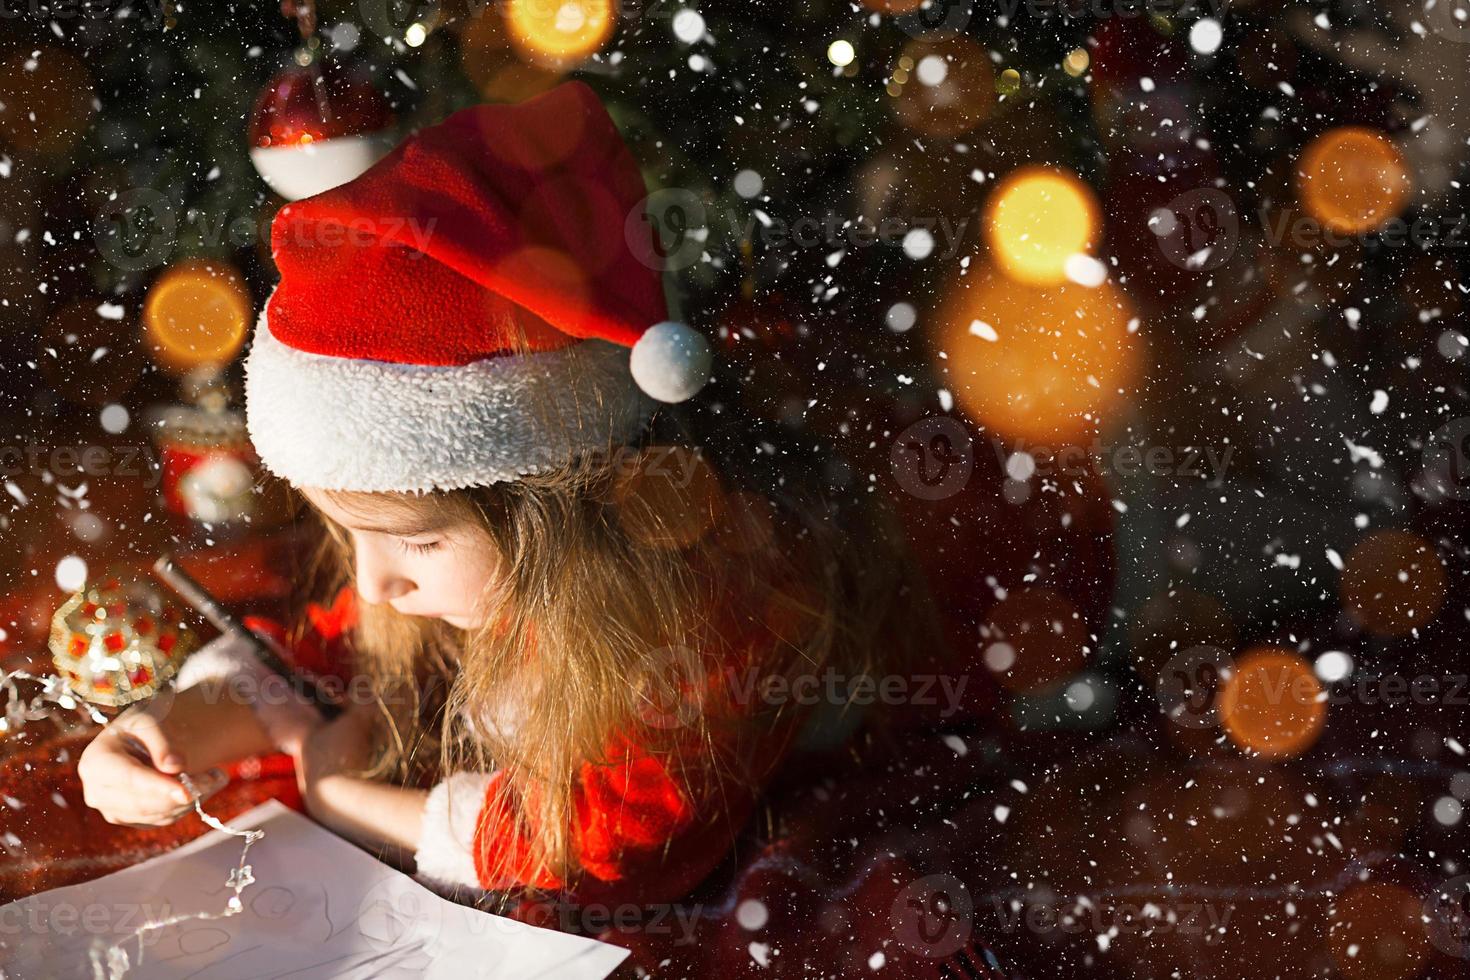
(118,642)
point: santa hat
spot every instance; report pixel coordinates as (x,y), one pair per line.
(482,304)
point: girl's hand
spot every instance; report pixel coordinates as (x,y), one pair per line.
(129,772)
(328,764)
(343,746)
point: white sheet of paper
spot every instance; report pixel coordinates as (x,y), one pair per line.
(319,908)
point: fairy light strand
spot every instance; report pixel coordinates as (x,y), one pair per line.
(54,690)
(112,962)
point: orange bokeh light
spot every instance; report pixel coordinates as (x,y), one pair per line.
(560,33)
(1272,703)
(1393,582)
(943,88)
(1352,179)
(197,312)
(1036,219)
(1037,363)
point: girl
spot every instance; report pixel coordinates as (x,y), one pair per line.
(579,619)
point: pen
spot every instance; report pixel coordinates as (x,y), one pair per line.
(168,570)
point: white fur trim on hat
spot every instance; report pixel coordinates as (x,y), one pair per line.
(341,423)
(446,847)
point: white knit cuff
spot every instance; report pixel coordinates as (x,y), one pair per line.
(282,711)
(446,850)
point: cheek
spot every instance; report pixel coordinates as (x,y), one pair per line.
(460,578)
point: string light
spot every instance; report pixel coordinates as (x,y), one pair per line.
(111,962)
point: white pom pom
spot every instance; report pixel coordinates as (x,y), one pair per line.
(671,361)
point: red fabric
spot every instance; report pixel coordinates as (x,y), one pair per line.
(423,258)
(638,836)
(836,878)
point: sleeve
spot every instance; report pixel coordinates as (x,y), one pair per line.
(283,712)
(229,662)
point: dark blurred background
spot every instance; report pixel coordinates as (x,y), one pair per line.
(1200,264)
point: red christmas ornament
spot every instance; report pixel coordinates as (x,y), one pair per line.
(316,126)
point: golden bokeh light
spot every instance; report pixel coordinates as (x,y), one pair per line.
(560,33)
(197,312)
(943,88)
(1037,219)
(492,64)
(1037,363)
(1272,703)
(1353,179)
(1393,582)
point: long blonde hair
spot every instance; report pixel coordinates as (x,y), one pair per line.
(614,565)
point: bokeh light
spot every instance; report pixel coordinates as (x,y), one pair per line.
(1037,362)
(943,88)
(197,312)
(1352,179)
(1037,219)
(494,66)
(1393,582)
(560,33)
(1272,704)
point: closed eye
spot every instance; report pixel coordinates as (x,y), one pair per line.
(424,548)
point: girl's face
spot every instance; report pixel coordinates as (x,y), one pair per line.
(437,572)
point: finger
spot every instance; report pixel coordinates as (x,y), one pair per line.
(208,783)
(144,730)
(147,783)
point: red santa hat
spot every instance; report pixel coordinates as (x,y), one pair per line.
(482,304)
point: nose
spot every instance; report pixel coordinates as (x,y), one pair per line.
(377,580)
